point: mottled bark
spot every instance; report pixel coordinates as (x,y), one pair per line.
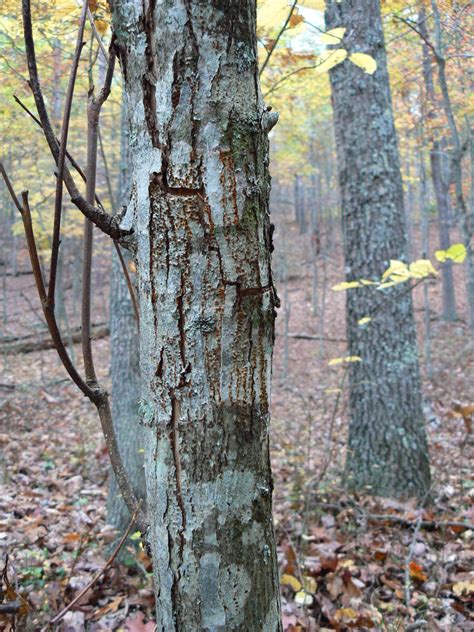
(387,450)
(200,214)
(124,367)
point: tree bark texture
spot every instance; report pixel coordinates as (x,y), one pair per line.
(200,215)
(124,367)
(387,449)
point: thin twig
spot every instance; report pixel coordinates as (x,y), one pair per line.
(93,113)
(62,158)
(131,289)
(99,573)
(98,216)
(275,41)
(75,165)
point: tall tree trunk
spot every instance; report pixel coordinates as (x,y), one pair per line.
(440,176)
(387,451)
(200,215)
(124,367)
(441,179)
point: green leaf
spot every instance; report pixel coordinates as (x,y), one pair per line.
(136,536)
(364,61)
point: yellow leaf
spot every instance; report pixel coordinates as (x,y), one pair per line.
(271,14)
(384,286)
(303,598)
(346,285)
(317,5)
(463,588)
(335,361)
(367,282)
(456,252)
(310,584)
(289,580)
(397,271)
(136,536)
(422,268)
(334,36)
(346,615)
(364,321)
(366,62)
(330,58)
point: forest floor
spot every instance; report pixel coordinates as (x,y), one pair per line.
(346,562)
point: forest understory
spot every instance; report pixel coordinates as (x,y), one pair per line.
(346,562)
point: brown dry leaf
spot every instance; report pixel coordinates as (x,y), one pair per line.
(346,615)
(296,19)
(137,624)
(71,537)
(113,606)
(416,572)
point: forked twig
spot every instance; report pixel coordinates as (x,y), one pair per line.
(104,221)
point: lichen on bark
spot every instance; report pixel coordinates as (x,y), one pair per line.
(207,303)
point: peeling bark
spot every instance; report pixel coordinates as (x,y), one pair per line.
(387,449)
(207,305)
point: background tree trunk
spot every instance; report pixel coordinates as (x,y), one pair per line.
(441,180)
(200,214)
(387,450)
(124,365)
(440,176)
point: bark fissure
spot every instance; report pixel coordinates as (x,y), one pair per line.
(207,306)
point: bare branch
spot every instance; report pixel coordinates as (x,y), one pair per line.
(10,188)
(62,158)
(99,217)
(275,42)
(93,113)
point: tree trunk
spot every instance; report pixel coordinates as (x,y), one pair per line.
(124,366)
(387,451)
(441,180)
(200,215)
